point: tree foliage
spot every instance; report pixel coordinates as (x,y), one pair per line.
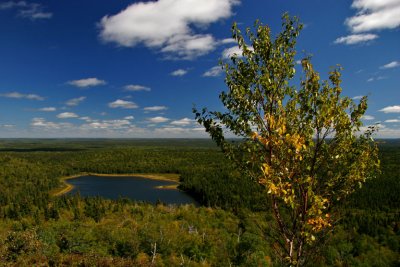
(306,147)
(38,229)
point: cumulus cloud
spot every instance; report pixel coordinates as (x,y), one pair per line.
(42,123)
(155,108)
(229,52)
(390,65)
(86,118)
(235,50)
(48,109)
(356,39)
(119,103)
(374,15)
(75,101)
(168,130)
(371,15)
(67,115)
(112,128)
(391,109)
(213,72)
(179,72)
(385,131)
(88,82)
(167,25)
(189,47)
(392,121)
(368,117)
(107,124)
(135,87)
(23,96)
(228,41)
(182,122)
(158,119)
(33,11)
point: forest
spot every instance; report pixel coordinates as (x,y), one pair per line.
(230,228)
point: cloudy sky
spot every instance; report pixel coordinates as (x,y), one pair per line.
(136,68)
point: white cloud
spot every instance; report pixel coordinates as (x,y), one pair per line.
(119,103)
(170,130)
(48,109)
(228,41)
(86,118)
(42,123)
(12,4)
(7,125)
(368,117)
(158,119)
(392,121)
(235,50)
(129,118)
(182,122)
(107,124)
(31,11)
(179,72)
(166,25)
(24,96)
(390,65)
(391,109)
(67,115)
(213,72)
(155,108)
(356,38)
(88,82)
(199,129)
(35,12)
(376,78)
(135,87)
(374,15)
(75,101)
(229,52)
(384,131)
(189,47)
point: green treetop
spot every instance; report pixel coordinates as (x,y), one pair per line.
(305,146)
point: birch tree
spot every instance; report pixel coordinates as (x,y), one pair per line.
(305,145)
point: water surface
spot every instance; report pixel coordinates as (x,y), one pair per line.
(135,188)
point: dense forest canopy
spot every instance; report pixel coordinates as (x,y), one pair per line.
(37,228)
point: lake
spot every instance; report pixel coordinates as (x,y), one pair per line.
(135,188)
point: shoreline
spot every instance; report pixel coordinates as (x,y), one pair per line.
(170,177)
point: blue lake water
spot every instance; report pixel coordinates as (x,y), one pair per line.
(135,188)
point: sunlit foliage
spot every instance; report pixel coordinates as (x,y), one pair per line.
(304,146)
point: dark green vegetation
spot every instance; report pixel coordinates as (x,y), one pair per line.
(232,228)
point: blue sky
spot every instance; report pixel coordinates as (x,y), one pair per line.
(136,68)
